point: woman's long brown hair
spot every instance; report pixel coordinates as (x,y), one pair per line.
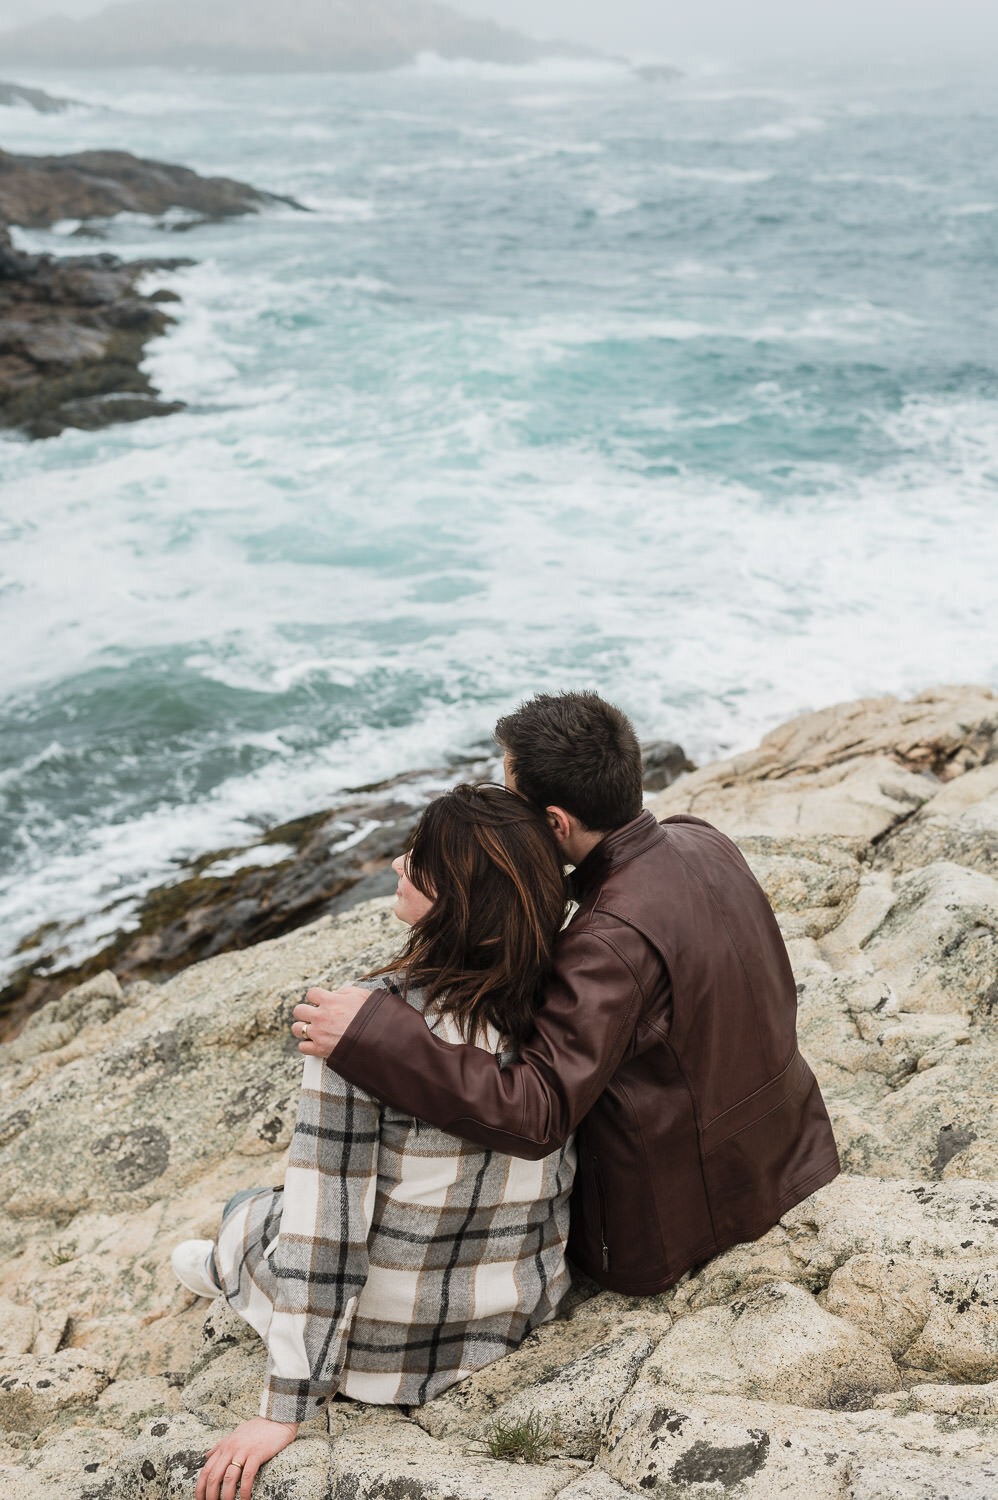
(489,862)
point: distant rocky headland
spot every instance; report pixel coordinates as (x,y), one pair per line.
(73,330)
(36,99)
(849,1354)
(254,36)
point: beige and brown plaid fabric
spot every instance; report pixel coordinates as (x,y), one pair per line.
(396,1259)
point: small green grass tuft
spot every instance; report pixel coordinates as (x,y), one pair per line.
(524,1441)
(60,1254)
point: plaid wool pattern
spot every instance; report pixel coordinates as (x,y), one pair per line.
(396,1259)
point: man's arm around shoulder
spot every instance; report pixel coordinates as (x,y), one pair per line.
(530,1108)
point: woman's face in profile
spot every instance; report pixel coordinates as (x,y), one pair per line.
(410,903)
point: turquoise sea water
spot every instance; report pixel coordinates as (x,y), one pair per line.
(685,393)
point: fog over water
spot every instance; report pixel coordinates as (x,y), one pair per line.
(722,29)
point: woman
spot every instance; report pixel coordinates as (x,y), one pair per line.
(397,1259)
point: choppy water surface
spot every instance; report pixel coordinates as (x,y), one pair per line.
(686,393)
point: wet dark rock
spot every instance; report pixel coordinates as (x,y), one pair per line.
(663,762)
(72,338)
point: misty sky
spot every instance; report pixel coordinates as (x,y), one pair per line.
(712,28)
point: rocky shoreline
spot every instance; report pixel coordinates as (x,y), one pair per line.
(73,330)
(851,1352)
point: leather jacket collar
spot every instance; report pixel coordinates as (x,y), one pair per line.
(619,847)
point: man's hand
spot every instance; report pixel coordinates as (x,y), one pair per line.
(233,1463)
(323,1016)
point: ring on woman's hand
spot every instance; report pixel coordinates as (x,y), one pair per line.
(304,1031)
(234,1464)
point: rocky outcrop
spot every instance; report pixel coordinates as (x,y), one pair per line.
(36,191)
(73,331)
(37,99)
(251,36)
(850,1352)
(72,337)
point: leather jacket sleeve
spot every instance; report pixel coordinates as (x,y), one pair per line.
(605,975)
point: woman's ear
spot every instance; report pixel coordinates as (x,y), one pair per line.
(561,823)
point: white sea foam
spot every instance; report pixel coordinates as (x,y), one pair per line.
(608,205)
(687,269)
(339,208)
(971,210)
(726,176)
(261,855)
(908,183)
(789,129)
(855,323)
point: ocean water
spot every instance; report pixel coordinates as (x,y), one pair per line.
(686,393)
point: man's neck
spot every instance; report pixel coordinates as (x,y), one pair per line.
(582,842)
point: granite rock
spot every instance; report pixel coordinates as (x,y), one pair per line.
(854,771)
(663,1442)
(34,1388)
(777,1344)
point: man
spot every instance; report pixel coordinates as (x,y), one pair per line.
(666,1038)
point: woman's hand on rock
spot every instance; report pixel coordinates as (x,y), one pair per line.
(231,1466)
(323,1016)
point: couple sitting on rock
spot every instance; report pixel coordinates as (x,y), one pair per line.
(637,1065)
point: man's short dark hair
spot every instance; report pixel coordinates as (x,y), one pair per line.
(578,752)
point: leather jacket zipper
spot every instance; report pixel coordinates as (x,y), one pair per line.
(601,1201)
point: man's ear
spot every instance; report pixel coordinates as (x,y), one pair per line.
(562,823)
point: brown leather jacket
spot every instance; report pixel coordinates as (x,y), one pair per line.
(667,1040)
